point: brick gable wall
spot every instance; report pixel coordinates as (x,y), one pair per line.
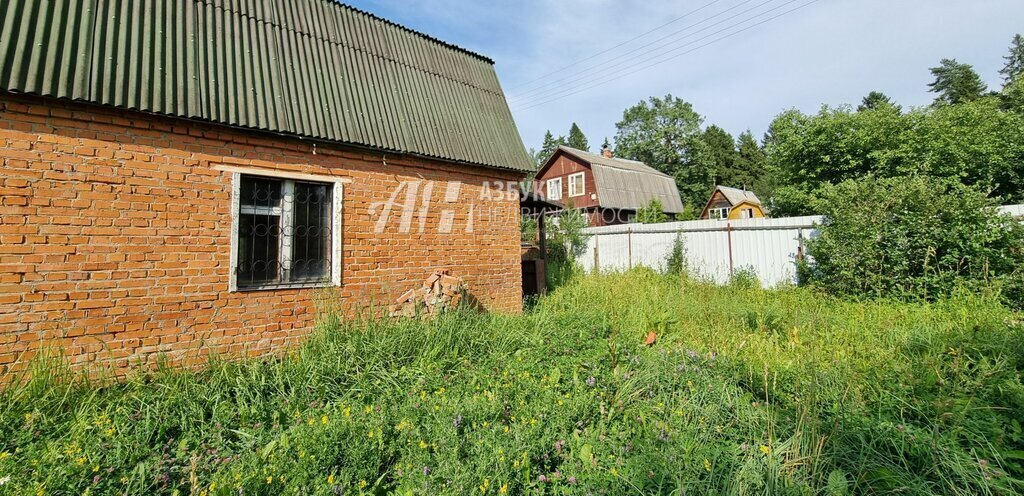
(115,236)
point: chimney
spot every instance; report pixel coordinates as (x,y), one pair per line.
(607,152)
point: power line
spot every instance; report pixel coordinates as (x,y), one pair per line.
(645,33)
(608,80)
(539,89)
(656,56)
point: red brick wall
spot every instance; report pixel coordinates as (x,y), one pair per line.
(115,236)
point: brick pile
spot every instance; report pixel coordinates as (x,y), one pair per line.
(439,293)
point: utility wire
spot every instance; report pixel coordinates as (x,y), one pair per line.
(540,89)
(641,35)
(608,80)
(655,55)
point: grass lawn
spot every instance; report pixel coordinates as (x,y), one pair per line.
(746,391)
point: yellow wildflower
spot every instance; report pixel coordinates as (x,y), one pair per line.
(347,412)
(270,480)
(323,420)
(330,479)
(95,469)
(765,449)
(503,489)
(707,465)
(423,445)
(362,484)
(368,409)
(4,455)
(485,485)
(369,434)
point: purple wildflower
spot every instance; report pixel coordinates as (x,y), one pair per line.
(591,381)
(426,470)
(572,479)
(542,478)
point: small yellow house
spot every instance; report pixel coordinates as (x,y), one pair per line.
(732,203)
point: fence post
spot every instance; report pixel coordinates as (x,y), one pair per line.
(629,243)
(728,234)
(597,266)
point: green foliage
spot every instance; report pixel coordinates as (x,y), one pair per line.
(665,133)
(566,242)
(528,229)
(577,139)
(876,100)
(548,147)
(976,143)
(721,150)
(751,165)
(746,391)
(911,237)
(1014,66)
(652,213)
(676,261)
(956,83)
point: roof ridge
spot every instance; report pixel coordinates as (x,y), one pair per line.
(421,34)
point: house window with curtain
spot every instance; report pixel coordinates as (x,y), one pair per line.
(576,185)
(554,189)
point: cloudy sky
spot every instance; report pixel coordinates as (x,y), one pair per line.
(561,61)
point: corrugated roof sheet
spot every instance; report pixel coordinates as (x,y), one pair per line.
(737,196)
(313,68)
(628,184)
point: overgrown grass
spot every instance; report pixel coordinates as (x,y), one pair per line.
(746,391)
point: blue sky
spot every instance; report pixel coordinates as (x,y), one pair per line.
(828,52)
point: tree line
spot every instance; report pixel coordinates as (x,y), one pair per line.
(970,134)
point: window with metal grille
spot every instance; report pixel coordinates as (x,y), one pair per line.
(284,232)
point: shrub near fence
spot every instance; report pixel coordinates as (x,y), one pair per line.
(715,249)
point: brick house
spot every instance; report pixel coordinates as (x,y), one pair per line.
(181,178)
(610,190)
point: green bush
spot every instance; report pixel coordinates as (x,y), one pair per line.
(566,242)
(911,237)
(652,213)
(745,391)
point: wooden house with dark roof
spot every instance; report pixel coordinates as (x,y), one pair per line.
(609,189)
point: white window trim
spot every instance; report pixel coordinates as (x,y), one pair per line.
(550,184)
(337,200)
(581,181)
(721,213)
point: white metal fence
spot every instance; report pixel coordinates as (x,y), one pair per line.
(714,249)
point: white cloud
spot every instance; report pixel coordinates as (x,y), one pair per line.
(832,51)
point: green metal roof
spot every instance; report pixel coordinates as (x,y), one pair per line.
(313,68)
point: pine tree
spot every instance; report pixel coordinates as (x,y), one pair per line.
(577,139)
(874,100)
(956,83)
(754,164)
(549,146)
(1014,67)
(723,152)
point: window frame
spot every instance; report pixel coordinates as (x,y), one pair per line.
(337,189)
(548,188)
(719,213)
(581,177)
